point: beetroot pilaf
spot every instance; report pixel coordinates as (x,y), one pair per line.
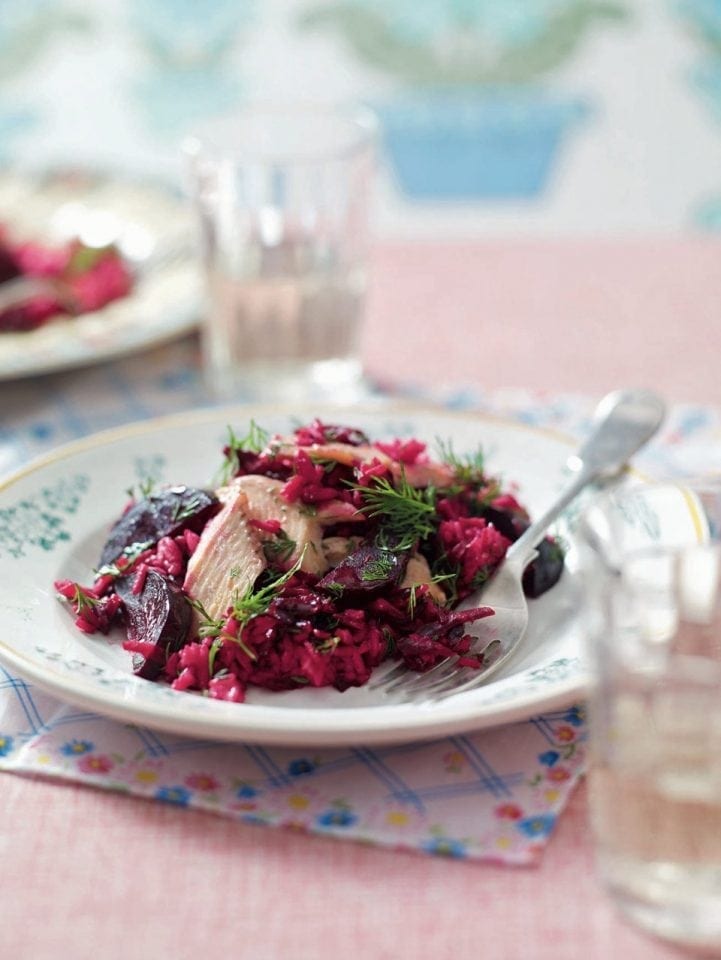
(315,557)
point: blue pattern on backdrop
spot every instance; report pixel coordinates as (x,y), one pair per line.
(490,146)
(495,130)
(13,123)
(703,20)
(508,113)
(28,28)
(188,50)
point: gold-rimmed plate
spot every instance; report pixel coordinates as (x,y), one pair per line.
(54,517)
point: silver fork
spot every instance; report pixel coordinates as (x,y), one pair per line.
(623,422)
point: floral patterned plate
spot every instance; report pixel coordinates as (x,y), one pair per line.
(152,228)
(54,516)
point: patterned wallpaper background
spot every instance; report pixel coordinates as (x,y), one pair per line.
(499,116)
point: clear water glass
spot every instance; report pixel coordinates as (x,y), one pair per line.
(282,197)
(654,568)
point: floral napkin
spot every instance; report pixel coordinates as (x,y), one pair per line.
(492,795)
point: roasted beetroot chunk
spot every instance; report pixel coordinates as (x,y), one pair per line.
(546,569)
(158,621)
(445,637)
(366,570)
(162,514)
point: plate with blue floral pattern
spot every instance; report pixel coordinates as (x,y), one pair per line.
(55,515)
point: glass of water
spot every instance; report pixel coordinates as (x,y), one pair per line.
(654,565)
(282,196)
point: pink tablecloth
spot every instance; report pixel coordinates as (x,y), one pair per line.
(87,874)
(581,315)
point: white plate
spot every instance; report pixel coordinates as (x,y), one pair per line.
(150,220)
(54,516)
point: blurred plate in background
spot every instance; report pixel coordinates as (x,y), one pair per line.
(151,227)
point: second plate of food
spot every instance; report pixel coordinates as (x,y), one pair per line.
(76,215)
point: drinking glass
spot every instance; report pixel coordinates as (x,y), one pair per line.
(282,196)
(654,563)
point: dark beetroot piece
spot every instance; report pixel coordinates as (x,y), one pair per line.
(8,264)
(546,569)
(159,616)
(444,637)
(503,522)
(161,514)
(300,607)
(366,570)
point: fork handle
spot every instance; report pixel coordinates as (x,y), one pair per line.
(623,422)
(523,550)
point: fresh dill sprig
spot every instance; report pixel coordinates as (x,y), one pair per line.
(209,627)
(447,573)
(334,589)
(255,440)
(468,468)
(485,496)
(129,555)
(480,577)
(252,602)
(244,606)
(328,645)
(278,548)
(184,511)
(144,489)
(320,460)
(442,577)
(413,599)
(405,512)
(380,568)
(213,653)
(82,600)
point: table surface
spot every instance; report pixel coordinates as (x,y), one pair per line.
(91,874)
(580,316)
